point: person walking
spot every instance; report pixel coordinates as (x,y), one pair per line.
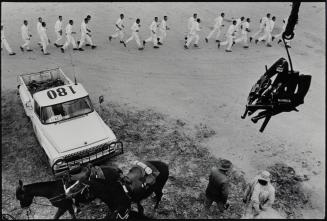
(217,27)
(245,28)
(263,22)
(69,37)
(190,22)
(119,29)
(58,31)
(154,31)
(135,34)
(38,29)
(5,43)
(194,34)
(162,30)
(230,35)
(44,38)
(26,36)
(268,30)
(279,35)
(85,35)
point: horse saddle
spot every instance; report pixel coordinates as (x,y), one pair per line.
(145,173)
(89,172)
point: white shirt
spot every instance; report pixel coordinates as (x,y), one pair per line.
(135,27)
(264,20)
(119,23)
(69,29)
(270,25)
(191,20)
(43,34)
(154,26)
(245,25)
(218,21)
(83,28)
(38,27)
(58,26)
(195,28)
(231,30)
(25,32)
(163,25)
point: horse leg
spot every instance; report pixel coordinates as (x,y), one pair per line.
(71,211)
(59,212)
(140,208)
(158,196)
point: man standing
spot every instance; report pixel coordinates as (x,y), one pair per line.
(190,22)
(38,29)
(135,33)
(244,33)
(217,27)
(230,35)
(26,36)
(194,34)
(217,189)
(154,31)
(44,39)
(268,29)
(119,29)
(69,38)
(58,31)
(85,35)
(263,22)
(162,29)
(5,43)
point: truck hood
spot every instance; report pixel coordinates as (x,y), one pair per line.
(78,132)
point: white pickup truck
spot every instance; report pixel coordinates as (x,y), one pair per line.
(65,123)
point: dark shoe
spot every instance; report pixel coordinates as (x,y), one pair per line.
(264,40)
(110,38)
(121,42)
(140,49)
(75,49)
(268,45)
(81,49)
(245,46)
(195,45)
(159,43)
(251,39)
(272,38)
(93,46)
(46,53)
(55,44)
(279,41)
(78,42)
(12,53)
(63,50)
(206,39)
(185,46)
(144,43)
(21,48)
(29,50)
(256,41)
(217,41)
(87,45)
(155,46)
(233,43)
(124,44)
(218,44)
(228,50)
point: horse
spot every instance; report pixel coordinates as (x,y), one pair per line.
(52,190)
(137,186)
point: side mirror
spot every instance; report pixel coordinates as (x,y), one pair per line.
(28,104)
(101,99)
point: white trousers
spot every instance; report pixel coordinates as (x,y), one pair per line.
(135,36)
(26,43)
(191,37)
(83,38)
(153,38)
(59,37)
(69,40)
(117,33)
(261,29)
(5,43)
(228,42)
(244,38)
(266,36)
(162,34)
(213,31)
(45,43)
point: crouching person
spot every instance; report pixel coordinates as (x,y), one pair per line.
(259,195)
(217,189)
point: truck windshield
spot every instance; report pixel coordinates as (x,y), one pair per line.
(66,110)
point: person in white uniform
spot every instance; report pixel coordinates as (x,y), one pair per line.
(190,22)
(194,34)
(69,37)
(217,27)
(58,31)
(268,29)
(154,32)
(239,22)
(38,28)
(85,35)
(162,29)
(263,22)
(135,33)
(119,29)
(230,35)
(5,43)
(26,36)
(44,38)
(279,35)
(245,28)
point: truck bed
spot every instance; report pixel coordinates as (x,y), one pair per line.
(44,80)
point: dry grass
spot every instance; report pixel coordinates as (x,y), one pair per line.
(146,136)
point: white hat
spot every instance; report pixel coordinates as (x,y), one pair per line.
(264,175)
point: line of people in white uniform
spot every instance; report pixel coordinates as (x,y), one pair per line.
(239,27)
